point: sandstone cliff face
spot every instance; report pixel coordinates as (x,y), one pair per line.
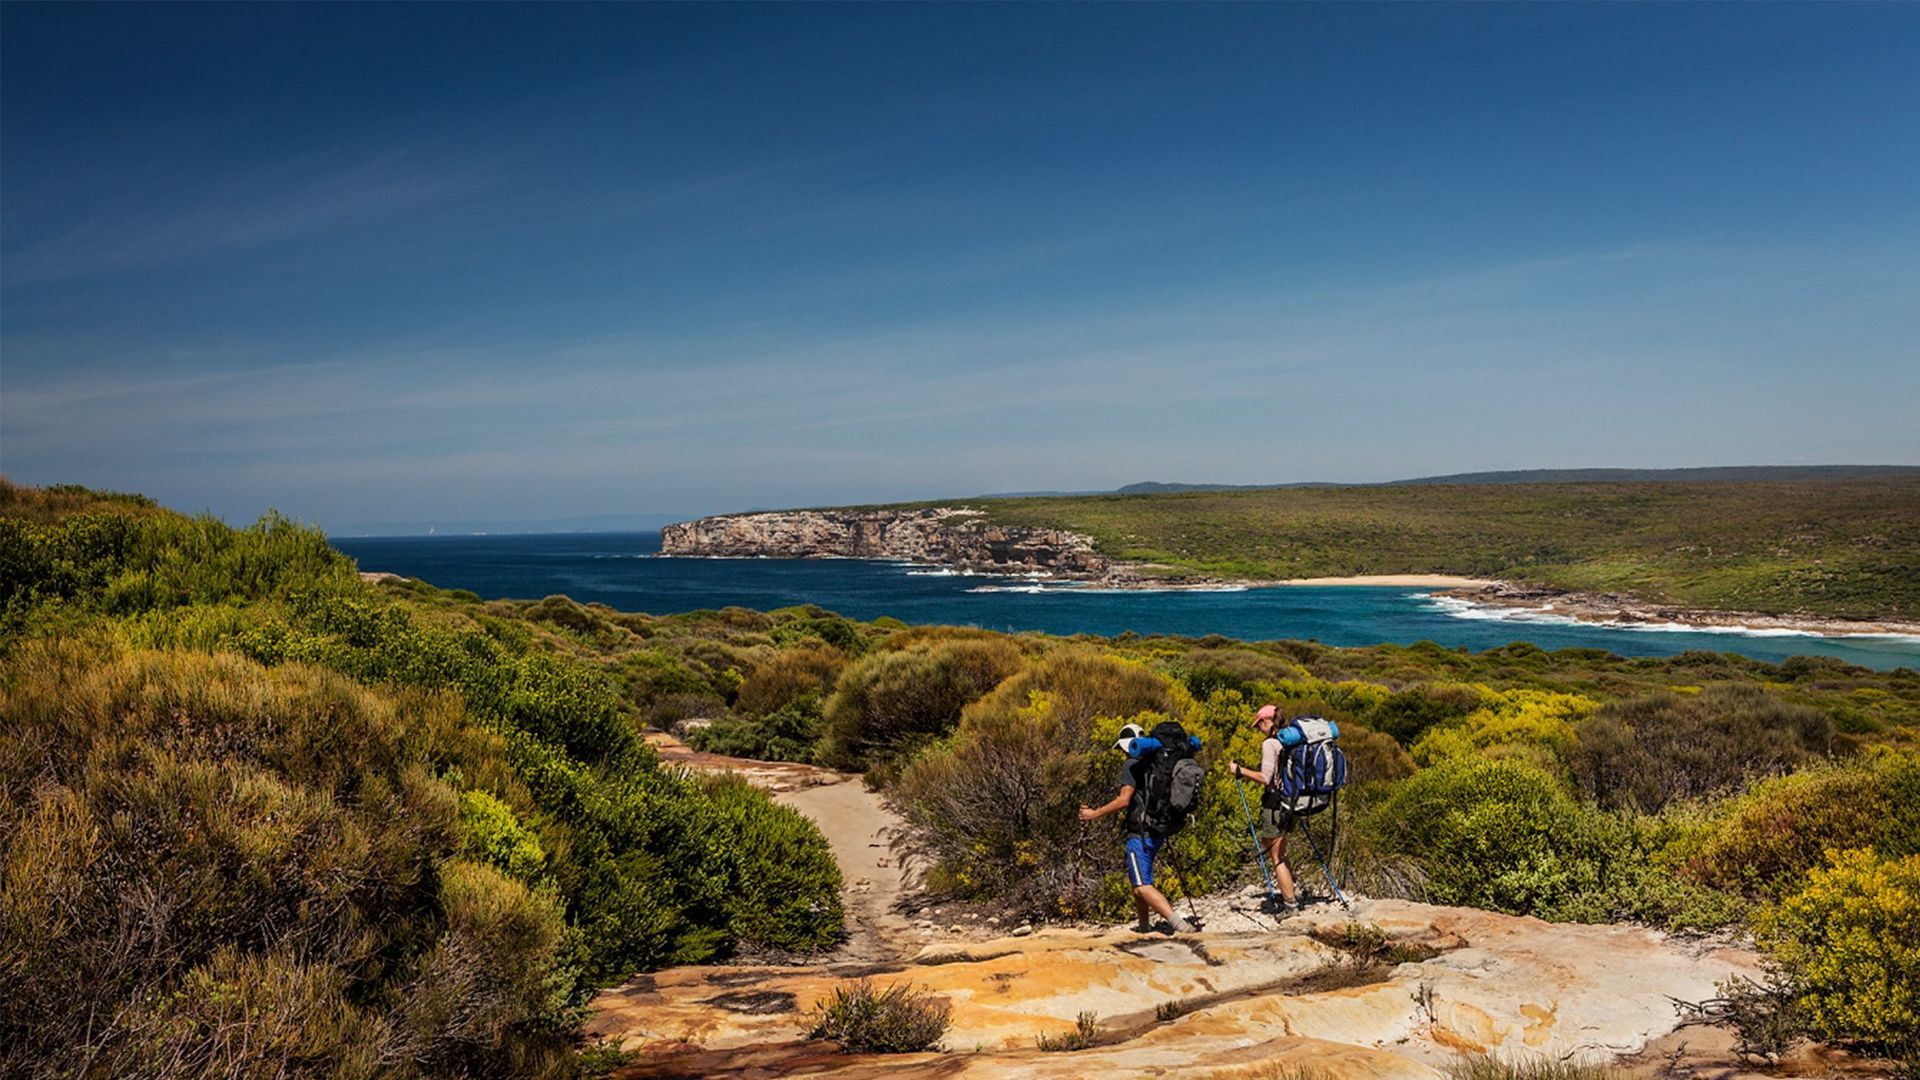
(943,536)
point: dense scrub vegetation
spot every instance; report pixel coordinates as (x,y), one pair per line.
(1839,547)
(269,710)
(1692,792)
(260,816)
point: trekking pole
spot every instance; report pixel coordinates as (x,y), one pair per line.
(1328,870)
(1073,890)
(1186,883)
(1253,834)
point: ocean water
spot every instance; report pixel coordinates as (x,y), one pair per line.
(622,570)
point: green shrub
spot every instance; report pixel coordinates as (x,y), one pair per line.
(808,669)
(1492,1067)
(1851,938)
(1086,1028)
(789,733)
(995,809)
(1502,835)
(817,625)
(193,839)
(1084,685)
(1643,753)
(490,833)
(1407,714)
(782,888)
(1777,833)
(891,703)
(896,1020)
(627,845)
(1530,724)
(1208,670)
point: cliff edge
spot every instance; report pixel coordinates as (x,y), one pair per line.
(941,536)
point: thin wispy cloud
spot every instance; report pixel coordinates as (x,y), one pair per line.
(265,211)
(812,257)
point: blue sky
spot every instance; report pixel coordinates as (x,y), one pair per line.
(384,263)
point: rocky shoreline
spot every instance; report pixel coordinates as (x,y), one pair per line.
(958,538)
(950,537)
(1615,609)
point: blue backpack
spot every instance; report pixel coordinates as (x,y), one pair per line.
(1312,768)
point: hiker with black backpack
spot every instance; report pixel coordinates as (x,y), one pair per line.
(1160,784)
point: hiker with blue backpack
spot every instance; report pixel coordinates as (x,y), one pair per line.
(1301,771)
(1160,784)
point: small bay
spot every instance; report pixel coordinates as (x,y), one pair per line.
(622,571)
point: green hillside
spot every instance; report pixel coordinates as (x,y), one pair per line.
(1846,548)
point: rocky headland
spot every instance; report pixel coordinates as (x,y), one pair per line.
(1616,609)
(942,536)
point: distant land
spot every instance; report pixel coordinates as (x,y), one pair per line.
(1707,474)
(1791,542)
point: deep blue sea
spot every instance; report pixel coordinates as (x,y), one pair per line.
(622,571)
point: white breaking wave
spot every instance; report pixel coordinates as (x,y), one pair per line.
(1080,589)
(1467,609)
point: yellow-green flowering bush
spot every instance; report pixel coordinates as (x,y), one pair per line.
(1778,832)
(1852,939)
(1515,723)
(492,834)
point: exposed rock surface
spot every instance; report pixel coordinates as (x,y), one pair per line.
(1616,609)
(944,536)
(1246,1001)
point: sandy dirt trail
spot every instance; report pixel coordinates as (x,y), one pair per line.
(856,825)
(859,829)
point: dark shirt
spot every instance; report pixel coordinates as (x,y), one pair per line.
(1133,774)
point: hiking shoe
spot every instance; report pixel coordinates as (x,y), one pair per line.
(1143,927)
(1180,926)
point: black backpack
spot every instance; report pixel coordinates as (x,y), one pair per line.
(1172,783)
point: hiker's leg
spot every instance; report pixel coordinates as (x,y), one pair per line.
(1139,870)
(1146,896)
(1282,874)
(1273,833)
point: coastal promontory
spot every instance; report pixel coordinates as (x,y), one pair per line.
(943,536)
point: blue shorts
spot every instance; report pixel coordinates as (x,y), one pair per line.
(1140,853)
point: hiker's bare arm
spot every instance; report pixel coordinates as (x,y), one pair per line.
(1118,804)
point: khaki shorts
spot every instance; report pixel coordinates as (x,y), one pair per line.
(1275,821)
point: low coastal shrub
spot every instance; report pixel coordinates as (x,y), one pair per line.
(1496,1067)
(1086,1028)
(896,1020)
(1771,838)
(1498,834)
(783,885)
(1084,685)
(889,704)
(994,810)
(1851,938)
(789,733)
(1644,753)
(210,865)
(808,669)
(310,770)
(1530,724)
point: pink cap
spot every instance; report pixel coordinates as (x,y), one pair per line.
(1267,712)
